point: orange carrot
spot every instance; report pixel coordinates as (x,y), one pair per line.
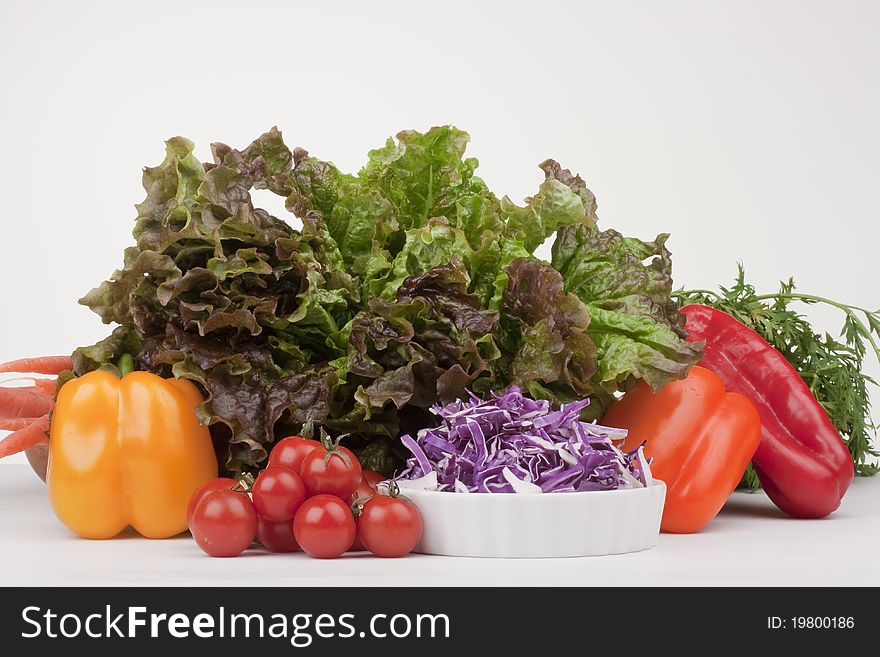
(46,385)
(42,365)
(33,434)
(24,402)
(14,424)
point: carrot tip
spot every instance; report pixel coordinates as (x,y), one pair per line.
(41,365)
(16,423)
(25,438)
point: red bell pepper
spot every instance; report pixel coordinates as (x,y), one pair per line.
(802,462)
(700,438)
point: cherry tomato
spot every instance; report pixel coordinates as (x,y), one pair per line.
(289,452)
(324,527)
(278,493)
(389,526)
(363,491)
(276,536)
(218,483)
(335,472)
(373,478)
(224,523)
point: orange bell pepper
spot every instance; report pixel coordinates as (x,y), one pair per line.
(701,438)
(127,451)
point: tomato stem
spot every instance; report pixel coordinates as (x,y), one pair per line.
(393,490)
(244,483)
(332,447)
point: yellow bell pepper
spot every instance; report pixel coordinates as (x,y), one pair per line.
(127,451)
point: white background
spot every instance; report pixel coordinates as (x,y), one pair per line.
(748,130)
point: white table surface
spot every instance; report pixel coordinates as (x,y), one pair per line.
(750,543)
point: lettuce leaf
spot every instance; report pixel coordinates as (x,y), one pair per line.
(543,334)
(409,283)
(638,330)
(562,200)
(431,343)
(425,175)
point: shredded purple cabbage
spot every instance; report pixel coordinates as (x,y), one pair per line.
(513,444)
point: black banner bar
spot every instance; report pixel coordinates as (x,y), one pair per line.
(420,621)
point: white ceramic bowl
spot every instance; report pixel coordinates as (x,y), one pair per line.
(511,525)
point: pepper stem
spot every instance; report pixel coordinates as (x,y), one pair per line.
(125,364)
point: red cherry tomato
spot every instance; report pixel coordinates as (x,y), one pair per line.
(278,493)
(218,483)
(373,478)
(289,452)
(363,491)
(389,526)
(333,472)
(369,486)
(324,527)
(224,523)
(276,536)
(370,479)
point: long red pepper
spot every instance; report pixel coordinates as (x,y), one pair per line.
(802,462)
